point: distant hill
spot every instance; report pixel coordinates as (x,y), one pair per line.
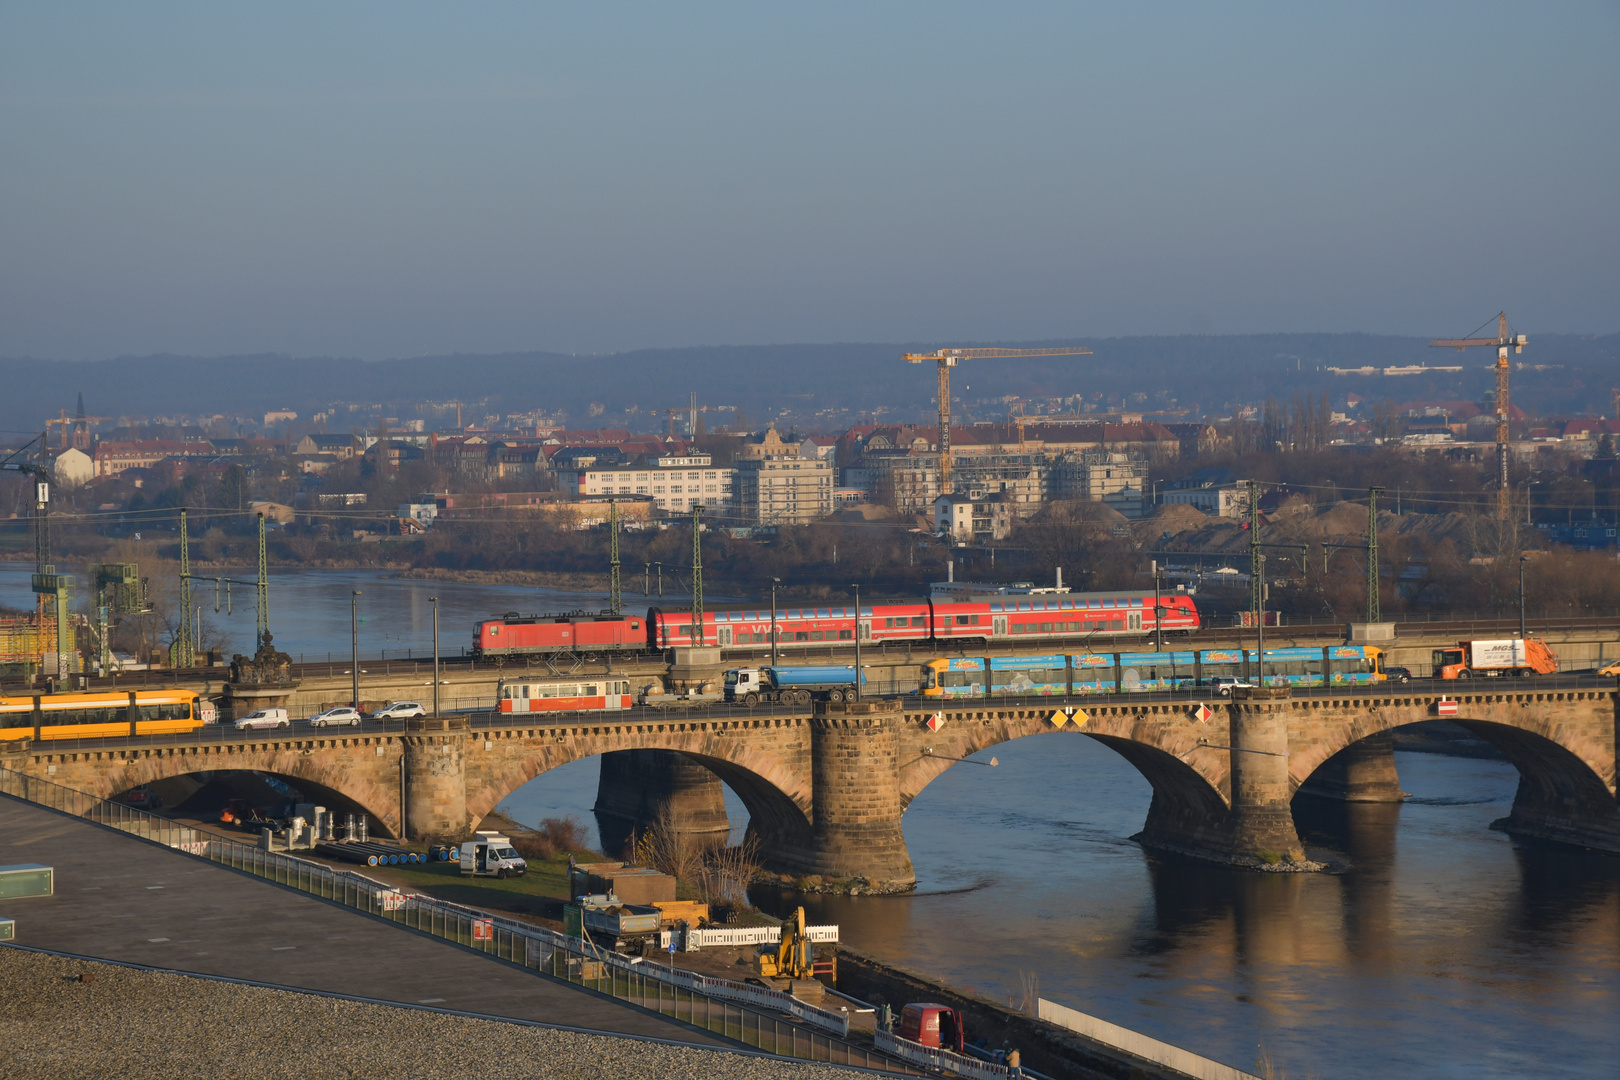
(843,380)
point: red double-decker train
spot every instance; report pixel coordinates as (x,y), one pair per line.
(1010,620)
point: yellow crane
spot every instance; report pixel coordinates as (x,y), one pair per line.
(949,358)
(1503,341)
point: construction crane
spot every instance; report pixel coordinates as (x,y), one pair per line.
(81,424)
(947,359)
(1503,341)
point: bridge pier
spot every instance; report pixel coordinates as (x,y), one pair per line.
(435,778)
(1362,772)
(1261,828)
(855,784)
(637,787)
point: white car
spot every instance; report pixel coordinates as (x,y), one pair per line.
(1225,684)
(264,718)
(337,716)
(399,710)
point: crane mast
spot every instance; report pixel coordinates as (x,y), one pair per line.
(946,359)
(1503,341)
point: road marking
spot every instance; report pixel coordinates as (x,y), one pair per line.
(282,948)
(428,1001)
(154,940)
(154,886)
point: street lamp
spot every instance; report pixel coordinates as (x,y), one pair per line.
(775,581)
(1260,627)
(1523,558)
(1158,622)
(434,600)
(354,643)
(857,589)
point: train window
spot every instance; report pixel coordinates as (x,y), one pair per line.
(919,620)
(816,635)
(961,620)
(1046,628)
(801,635)
(1116,624)
(634,625)
(845,635)
(822,613)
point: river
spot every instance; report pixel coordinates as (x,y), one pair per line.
(1440,949)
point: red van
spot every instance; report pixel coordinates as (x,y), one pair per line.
(932,1025)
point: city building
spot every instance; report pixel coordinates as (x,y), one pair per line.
(73,467)
(112,458)
(967,520)
(1095,474)
(787,490)
(674,482)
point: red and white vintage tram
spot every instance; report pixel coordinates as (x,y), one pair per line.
(534,694)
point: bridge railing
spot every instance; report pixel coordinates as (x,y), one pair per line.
(667,991)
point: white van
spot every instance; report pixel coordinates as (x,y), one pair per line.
(489,854)
(264,718)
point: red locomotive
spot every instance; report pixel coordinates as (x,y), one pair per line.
(517,635)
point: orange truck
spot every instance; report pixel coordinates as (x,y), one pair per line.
(1495,657)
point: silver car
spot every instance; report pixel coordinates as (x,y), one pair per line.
(400,710)
(337,716)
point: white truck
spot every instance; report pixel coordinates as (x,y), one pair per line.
(791,685)
(489,854)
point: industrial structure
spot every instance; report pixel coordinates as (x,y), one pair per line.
(945,359)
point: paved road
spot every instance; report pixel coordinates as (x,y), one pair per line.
(227,733)
(124,899)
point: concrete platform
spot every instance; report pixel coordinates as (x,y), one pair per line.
(123,899)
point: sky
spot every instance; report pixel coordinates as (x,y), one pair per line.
(396,179)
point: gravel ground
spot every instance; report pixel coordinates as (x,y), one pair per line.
(126,1021)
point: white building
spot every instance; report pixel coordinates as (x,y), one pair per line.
(674,482)
(73,467)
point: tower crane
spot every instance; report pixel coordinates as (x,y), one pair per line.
(1503,341)
(949,358)
(80,424)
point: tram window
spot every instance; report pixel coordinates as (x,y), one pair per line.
(927,678)
(590,690)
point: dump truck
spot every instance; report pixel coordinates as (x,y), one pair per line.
(1495,657)
(791,685)
(622,927)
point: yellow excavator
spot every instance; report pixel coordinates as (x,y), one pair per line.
(794,957)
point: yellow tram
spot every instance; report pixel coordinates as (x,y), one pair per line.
(99,715)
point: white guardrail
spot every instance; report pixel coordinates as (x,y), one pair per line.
(932,1057)
(1135,1043)
(834,1023)
(742,935)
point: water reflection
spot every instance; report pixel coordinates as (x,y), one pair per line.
(1439,948)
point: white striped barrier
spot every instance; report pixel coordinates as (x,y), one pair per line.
(933,1057)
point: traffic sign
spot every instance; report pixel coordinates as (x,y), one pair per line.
(1203,713)
(483,929)
(1058,718)
(1445,707)
(935,722)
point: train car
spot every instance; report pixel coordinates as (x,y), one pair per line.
(515,635)
(522,696)
(1013,620)
(1139,672)
(108,715)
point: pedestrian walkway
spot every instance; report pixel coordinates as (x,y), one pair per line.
(125,899)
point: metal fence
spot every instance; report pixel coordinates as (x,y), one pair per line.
(667,991)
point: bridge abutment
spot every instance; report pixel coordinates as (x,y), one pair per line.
(435,767)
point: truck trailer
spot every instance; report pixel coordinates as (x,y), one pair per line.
(1495,657)
(791,685)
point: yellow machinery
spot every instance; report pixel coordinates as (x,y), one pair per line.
(794,957)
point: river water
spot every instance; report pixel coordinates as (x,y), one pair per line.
(1443,949)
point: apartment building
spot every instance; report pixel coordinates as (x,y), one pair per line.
(674,482)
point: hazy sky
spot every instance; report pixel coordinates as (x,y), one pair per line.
(388,179)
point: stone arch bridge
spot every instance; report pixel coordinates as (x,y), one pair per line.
(826,788)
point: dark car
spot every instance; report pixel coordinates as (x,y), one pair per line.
(1397,675)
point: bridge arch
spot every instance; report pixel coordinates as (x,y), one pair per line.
(775,789)
(322,780)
